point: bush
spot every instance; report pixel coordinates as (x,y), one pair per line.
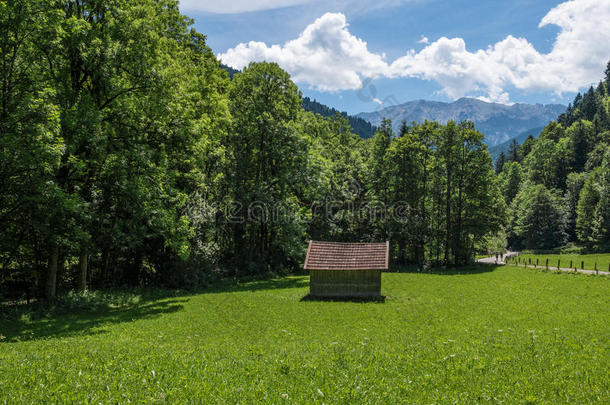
(571,248)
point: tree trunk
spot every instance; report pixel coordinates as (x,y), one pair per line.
(51,285)
(82,274)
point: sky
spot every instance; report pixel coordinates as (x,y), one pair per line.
(361,56)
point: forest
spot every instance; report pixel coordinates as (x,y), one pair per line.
(129,157)
(557,187)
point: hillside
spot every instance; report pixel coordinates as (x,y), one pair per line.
(499,122)
(360,126)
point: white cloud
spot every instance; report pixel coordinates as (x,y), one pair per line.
(237,6)
(423,40)
(328,57)
(577,57)
(325,56)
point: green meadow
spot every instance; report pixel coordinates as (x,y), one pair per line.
(487,334)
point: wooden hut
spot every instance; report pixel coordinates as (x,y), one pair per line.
(346,269)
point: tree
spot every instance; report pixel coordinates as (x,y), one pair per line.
(513,151)
(267,157)
(526,147)
(546,163)
(582,141)
(500,162)
(409,161)
(539,218)
(593,212)
(574,185)
(377,178)
(30,142)
(510,180)
(553,131)
(607,77)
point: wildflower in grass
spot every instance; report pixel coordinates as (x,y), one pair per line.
(285,396)
(320,393)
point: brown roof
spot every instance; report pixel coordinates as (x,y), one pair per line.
(346,256)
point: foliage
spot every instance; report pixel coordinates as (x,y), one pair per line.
(568,159)
(538,219)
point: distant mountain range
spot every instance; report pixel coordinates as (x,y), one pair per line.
(499,122)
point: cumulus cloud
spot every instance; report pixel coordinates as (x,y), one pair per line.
(423,40)
(237,6)
(328,57)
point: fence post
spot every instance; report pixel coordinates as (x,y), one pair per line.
(536,262)
(596,272)
(529,259)
(547,263)
(558,264)
(570,263)
(582,265)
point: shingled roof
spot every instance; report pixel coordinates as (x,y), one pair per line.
(346,256)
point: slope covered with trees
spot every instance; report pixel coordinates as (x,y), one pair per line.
(558,186)
(359,126)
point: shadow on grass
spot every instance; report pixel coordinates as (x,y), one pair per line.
(309,297)
(73,316)
(258,285)
(32,325)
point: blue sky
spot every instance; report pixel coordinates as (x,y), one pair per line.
(359,55)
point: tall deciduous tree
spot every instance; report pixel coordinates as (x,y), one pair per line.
(268,157)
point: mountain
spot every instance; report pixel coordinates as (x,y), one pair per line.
(504,146)
(499,122)
(358,125)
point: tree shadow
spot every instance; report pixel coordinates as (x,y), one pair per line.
(80,322)
(38,320)
(309,297)
(258,285)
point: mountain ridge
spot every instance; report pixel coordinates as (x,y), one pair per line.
(499,122)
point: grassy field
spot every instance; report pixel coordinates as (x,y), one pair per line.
(602,260)
(498,334)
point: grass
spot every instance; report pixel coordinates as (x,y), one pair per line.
(602,260)
(491,334)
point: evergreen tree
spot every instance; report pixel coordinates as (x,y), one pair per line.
(513,151)
(539,218)
(500,162)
